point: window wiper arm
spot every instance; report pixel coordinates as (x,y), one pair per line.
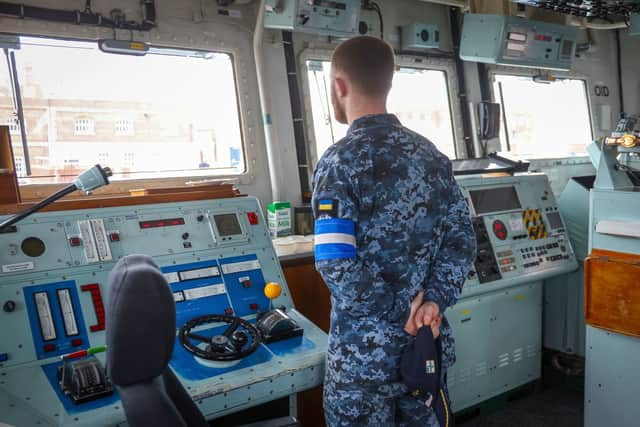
(17,101)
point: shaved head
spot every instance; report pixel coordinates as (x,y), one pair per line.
(368,62)
(361,75)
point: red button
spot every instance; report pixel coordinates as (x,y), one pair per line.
(75,241)
(228,311)
(246,284)
(114,237)
(76,342)
(253,306)
(253,218)
(49,348)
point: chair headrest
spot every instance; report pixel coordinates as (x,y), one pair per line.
(141,321)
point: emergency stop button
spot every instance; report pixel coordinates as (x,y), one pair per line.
(114,237)
(75,241)
(253,218)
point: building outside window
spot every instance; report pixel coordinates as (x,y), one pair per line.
(419,98)
(543,120)
(174,122)
(84,126)
(124,127)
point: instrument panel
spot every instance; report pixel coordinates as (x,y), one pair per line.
(520,233)
(217,257)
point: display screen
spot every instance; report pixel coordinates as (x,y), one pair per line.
(162,223)
(331,4)
(495,200)
(227,225)
(567,47)
(555,221)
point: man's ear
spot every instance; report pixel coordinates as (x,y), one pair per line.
(341,87)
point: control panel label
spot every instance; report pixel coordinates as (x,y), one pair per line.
(205,291)
(201,273)
(14,268)
(238,267)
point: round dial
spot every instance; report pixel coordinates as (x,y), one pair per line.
(33,247)
(500,230)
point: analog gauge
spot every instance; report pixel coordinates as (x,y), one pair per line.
(33,247)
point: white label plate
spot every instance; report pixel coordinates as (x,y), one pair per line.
(21,266)
(238,267)
(206,291)
(200,273)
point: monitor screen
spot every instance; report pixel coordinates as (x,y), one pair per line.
(227,224)
(555,221)
(495,200)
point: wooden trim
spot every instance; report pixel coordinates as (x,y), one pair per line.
(612,291)
(224,191)
(8,180)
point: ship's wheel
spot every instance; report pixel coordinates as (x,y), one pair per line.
(239,340)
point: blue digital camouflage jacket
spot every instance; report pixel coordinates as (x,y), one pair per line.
(390,221)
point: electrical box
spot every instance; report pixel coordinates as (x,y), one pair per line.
(420,36)
(515,41)
(339,18)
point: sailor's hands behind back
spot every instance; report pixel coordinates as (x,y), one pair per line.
(422,314)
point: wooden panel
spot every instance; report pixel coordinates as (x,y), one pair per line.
(8,180)
(214,192)
(311,297)
(612,291)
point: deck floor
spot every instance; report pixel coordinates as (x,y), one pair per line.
(547,408)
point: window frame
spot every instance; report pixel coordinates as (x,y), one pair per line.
(495,70)
(244,101)
(403,61)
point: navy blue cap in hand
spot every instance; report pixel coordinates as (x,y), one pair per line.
(420,372)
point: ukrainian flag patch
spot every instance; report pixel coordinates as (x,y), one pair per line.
(326,208)
(325,205)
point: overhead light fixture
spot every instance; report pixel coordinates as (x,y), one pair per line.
(123,47)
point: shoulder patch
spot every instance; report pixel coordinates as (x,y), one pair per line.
(327,208)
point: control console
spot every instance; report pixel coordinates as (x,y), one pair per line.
(497,322)
(237,329)
(520,234)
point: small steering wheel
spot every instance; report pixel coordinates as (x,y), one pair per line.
(233,344)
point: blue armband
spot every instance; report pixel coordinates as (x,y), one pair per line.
(335,238)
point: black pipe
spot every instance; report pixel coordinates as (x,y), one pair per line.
(80,17)
(18,99)
(456,35)
(619,59)
(25,213)
(296,112)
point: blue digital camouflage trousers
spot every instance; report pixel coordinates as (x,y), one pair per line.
(349,407)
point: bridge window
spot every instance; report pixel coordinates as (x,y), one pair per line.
(543,120)
(170,113)
(419,98)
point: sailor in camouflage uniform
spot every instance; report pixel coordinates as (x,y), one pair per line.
(390,222)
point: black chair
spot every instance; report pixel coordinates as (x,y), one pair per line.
(141,330)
